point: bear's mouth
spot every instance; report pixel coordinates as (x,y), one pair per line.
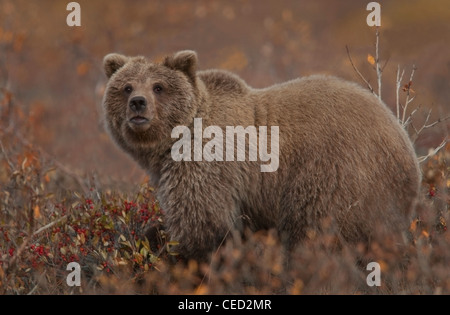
(138,120)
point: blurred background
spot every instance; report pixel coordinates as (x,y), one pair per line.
(51,74)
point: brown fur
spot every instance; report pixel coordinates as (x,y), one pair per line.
(342,153)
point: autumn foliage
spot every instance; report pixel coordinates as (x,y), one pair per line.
(44,227)
(67,194)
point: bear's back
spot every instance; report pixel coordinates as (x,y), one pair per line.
(326,104)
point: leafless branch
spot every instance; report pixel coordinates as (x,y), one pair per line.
(377,62)
(410,117)
(408,93)
(433,152)
(436,122)
(385,63)
(398,84)
(425,125)
(359,73)
(45,227)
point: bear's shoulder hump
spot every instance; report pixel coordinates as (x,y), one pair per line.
(223,81)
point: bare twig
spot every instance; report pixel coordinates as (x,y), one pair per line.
(33,290)
(436,122)
(425,125)
(377,62)
(385,63)
(409,119)
(378,67)
(408,93)
(45,227)
(398,84)
(359,73)
(433,152)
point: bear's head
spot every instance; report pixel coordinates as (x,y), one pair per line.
(144,101)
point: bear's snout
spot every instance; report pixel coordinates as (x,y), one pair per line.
(138,104)
(139,114)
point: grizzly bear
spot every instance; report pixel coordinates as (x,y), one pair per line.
(342,153)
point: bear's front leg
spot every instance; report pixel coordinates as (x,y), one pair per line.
(200,206)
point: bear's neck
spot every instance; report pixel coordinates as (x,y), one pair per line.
(153,159)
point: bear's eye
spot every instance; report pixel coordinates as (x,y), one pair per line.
(157,88)
(128,89)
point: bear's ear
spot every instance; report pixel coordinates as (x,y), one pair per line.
(184,61)
(113,62)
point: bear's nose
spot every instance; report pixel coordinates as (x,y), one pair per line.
(138,103)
